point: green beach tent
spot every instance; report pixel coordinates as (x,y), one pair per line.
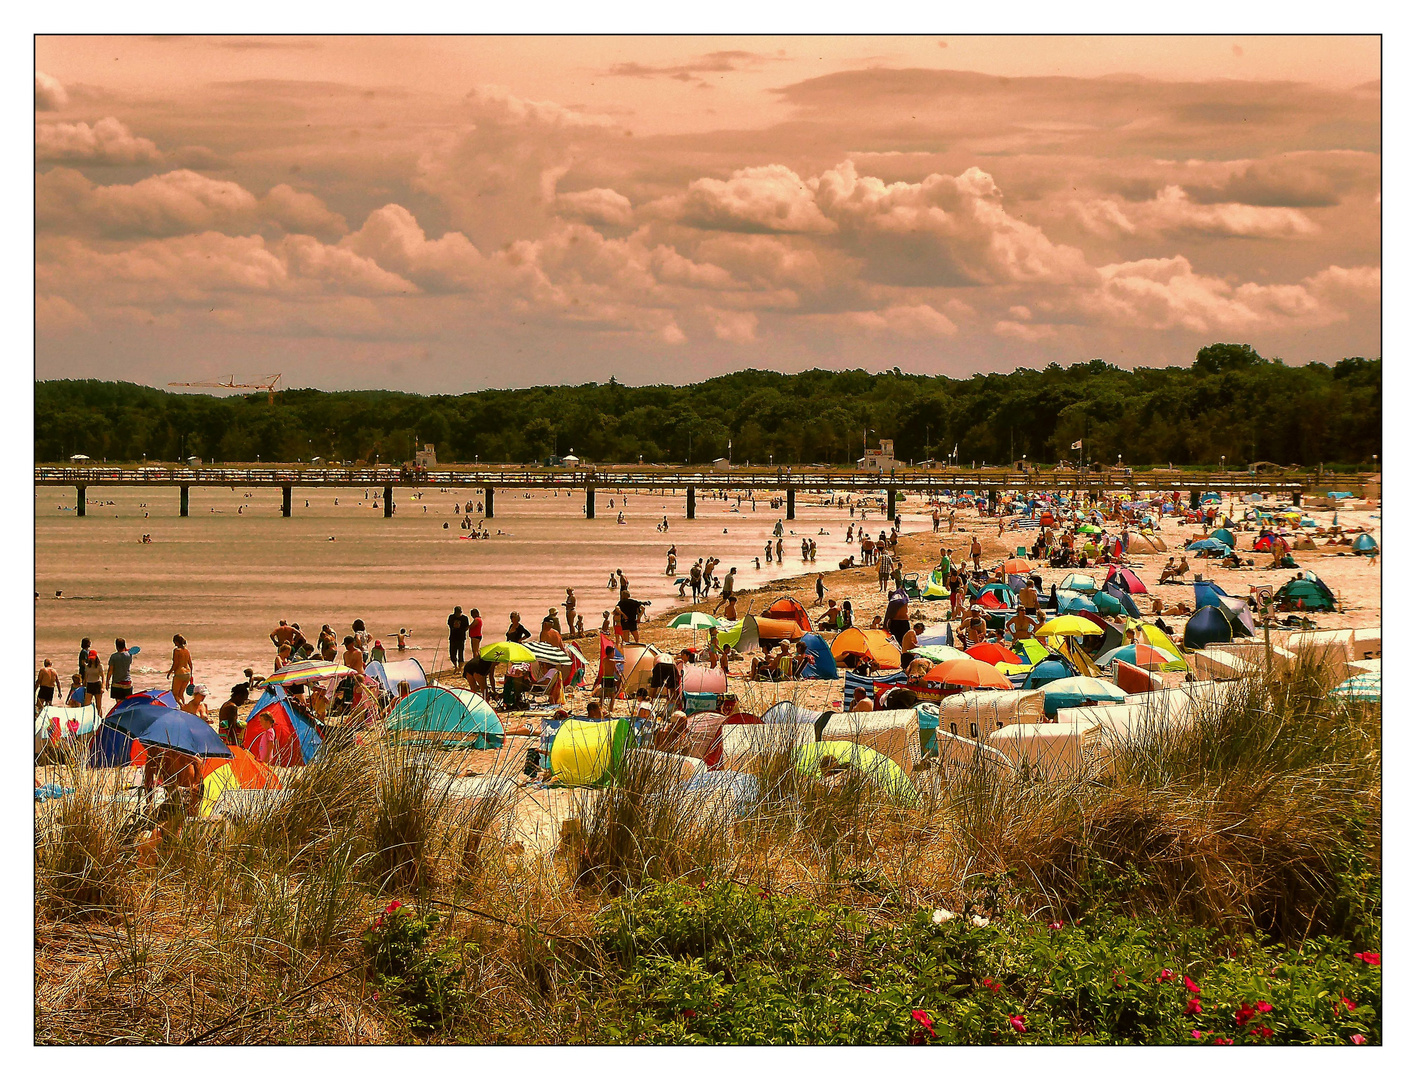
(873,765)
(447,716)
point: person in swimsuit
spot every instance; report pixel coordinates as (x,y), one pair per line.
(181,669)
(46,683)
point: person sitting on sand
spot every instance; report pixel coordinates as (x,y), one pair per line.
(831,619)
(229,725)
(877,623)
(974,628)
(178,774)
(918,668)
(861,702)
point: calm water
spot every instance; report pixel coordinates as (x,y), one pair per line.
(223,578)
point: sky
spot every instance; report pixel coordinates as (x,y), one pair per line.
(448,214)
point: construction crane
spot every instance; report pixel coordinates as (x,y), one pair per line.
(266,383)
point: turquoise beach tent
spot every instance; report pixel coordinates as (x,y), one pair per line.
(447,716)
(1365,544)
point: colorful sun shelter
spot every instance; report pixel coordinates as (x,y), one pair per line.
(834,757)
(389,674)
(240,772)
(1305,592)
(787,609)
(1365,544)
(588,753)
(157,726)
(767,633)
(57,724)
(820,663)
(1208,626)
(850,646)
(277,734)
(1125,579)
(447,717)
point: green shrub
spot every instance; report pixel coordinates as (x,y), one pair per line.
(424,983)
(727,964)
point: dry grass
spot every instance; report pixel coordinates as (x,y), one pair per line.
(229,933)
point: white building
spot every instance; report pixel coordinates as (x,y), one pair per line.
(426,458)
(881,460)
(722,464)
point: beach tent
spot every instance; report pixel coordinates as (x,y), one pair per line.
(1144,655)
(639,661)
(1140,544)
(1208,626)
(787,712)
(238,773)
(723,794)
(1077,691)
(279,735)
(588,753)
(56,723)
(875,645)
(1209,594)
(1079,583)
(995,595)
(1113,600)
(1047,671)
(1069,601)
(789,610)
(1119,577)
(703,679)
(1365,544)
(705,735)
(1224,536)
(873,766)
(1080,659)
(765,633)
(389,673)
(820,663)
(1309,591)
(1209,546)
(447,716)
(1239,616)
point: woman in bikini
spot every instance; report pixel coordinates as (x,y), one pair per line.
(181,669)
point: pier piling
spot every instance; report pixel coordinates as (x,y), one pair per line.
(589,502)
(82,504)
(388,501)
(186,501)
(286,500)
(692,502)
(791,504)
(490,493)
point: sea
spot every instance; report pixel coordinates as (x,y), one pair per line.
(226,574)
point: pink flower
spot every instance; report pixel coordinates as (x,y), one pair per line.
(1351,1005)
(376,995)
(1055,925)
(1018,1025)
(1243,1015)
(689,1014)
(1222,1041)
(1193,1007)
(992,984)
(1263,1032)
(1369,957)
(1166,975)
(377,923)
(1262,1006)
(1358,1040)
(1198,1034)
(393,907)
(1191,985)
(922,1019)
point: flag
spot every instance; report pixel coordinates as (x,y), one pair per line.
(1077,445)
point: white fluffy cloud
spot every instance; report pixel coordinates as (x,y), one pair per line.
(915,321)
(169,204)
(392,237)
(1172,212)
(49,93)
(301,212)
(770,198)
(108,142)
(596,206)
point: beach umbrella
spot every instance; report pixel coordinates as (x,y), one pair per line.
(1079,690)
(697,620)
(874,766)
(1017,566)
(990,652)
(309,671)
(1068,626)
(547,653)
(1364,687)
(1092,529)
(171,729)
(507,652)
(968,672)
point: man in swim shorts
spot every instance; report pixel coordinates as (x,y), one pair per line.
(46,683)
(118,678)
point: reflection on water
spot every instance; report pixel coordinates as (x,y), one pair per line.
(223,578)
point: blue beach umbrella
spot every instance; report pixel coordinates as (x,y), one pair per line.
(169,729)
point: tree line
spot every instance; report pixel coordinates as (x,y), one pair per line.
(1231,402)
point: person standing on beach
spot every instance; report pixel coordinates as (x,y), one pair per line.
(976,553)
(46,683)
(883,570)
(767,550)
(727,597)
(180,670)
(457,626)
(820,588)
(228,723)
(84,647)
(353,655)
(951,519)
(283,635)
(474,633)
(516,632)
(118,680)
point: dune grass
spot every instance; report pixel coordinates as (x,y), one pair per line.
(1256,828)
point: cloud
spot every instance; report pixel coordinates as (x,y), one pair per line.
(597,206)
(1172,212)
(108,142)
(1164,294)
(905,320)
(944,230)
(738,327)
(1029,332)
(54,314)
(392,237)
(172,203)
(301,212)
(341,269)
(713,63)
(768,198)
(49,93)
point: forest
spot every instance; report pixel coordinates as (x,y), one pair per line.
(1230,402)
